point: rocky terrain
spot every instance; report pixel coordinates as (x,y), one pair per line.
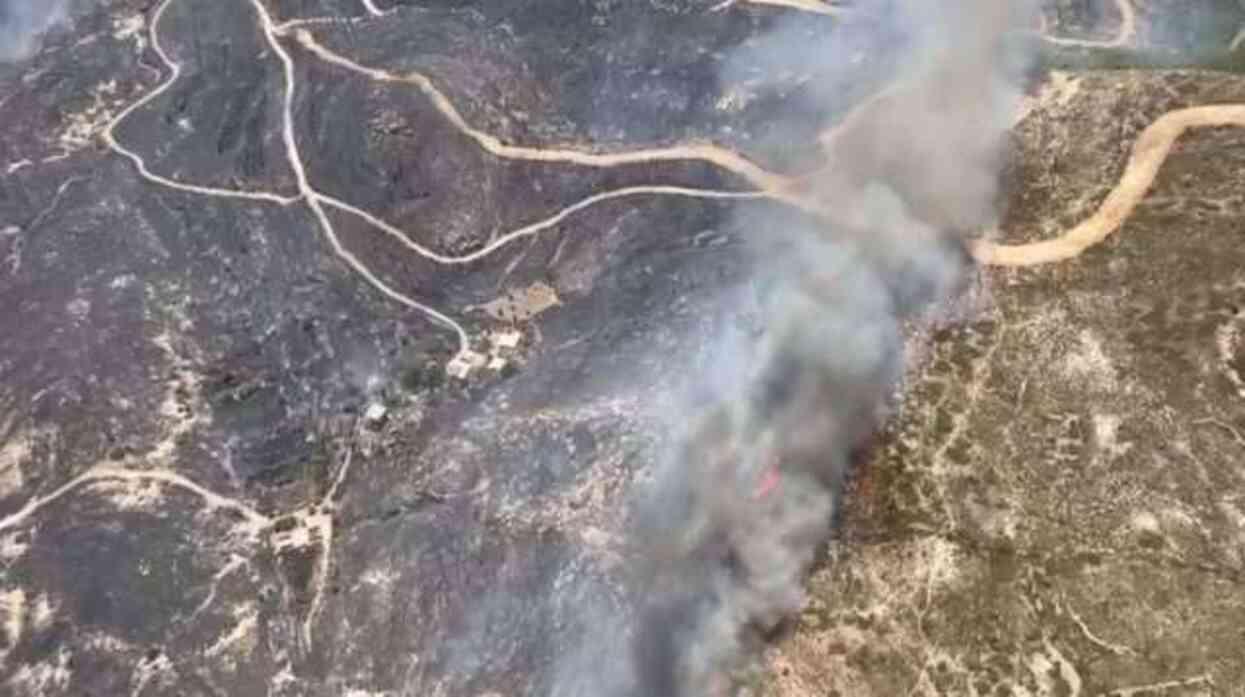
(337,335)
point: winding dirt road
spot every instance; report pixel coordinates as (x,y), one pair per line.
(705,152)
(1148,154)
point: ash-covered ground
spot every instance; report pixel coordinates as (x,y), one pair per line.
(232,461)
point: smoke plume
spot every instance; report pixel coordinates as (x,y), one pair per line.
(736,515)
(22,23)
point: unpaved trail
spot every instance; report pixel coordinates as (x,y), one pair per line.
(1148,154)
(719,156)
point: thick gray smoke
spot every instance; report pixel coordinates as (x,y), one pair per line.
(22,23)
(737,514)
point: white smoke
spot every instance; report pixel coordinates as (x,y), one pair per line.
(723,550)
(22,24)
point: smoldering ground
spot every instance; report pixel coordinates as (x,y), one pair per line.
(731,524)
(22,24)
